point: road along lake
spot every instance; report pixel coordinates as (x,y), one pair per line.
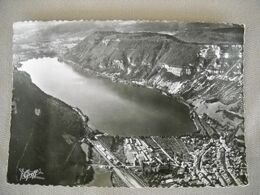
(113,108)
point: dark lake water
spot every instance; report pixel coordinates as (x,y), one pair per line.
(114,108)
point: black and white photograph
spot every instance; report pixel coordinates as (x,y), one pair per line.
(127,104)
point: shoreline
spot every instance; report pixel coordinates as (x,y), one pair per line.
(178,98)
(92,73)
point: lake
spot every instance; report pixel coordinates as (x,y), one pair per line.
(113,108)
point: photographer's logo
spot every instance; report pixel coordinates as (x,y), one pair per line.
(28,174)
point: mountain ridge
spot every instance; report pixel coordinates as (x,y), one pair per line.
(196,73)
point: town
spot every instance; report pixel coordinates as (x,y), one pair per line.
(192,160)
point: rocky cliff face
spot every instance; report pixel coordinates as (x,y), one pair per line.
(206,76)
(133,55)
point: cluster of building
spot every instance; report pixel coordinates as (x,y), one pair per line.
(137,152)
(217,163)
(212,162)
